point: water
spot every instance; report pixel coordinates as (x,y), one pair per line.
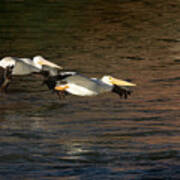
(100,137)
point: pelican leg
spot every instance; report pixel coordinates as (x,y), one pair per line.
(5,78)
(61,94)
(5,89)
(1,90)
(2,78)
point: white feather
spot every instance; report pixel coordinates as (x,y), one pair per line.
(7,61)
(79,90)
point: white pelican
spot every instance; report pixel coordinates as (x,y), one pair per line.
(19,66)
(26,66)
(43,65)
(81,85)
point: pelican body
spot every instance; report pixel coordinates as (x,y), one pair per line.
(80,85)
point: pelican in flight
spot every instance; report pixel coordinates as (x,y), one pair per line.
(19,66)
(24,66)
(80,85)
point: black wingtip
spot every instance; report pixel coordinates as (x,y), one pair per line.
(123,92)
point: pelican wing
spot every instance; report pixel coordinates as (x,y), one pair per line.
(27,61)
(86,82)
(22,68)
(81,81)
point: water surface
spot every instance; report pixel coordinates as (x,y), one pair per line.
(102,137)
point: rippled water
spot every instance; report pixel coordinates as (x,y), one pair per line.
(100,137)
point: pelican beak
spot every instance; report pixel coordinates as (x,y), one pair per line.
(47,63)
(61,88)
(120,82)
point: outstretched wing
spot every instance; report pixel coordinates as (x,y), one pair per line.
(81,80)
(22,68)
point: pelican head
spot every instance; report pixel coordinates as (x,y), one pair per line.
(114,81)
(39,61)
(7,61)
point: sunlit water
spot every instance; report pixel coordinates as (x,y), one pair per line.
(101,137)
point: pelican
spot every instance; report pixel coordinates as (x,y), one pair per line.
(43,65)
(80,85)
(26,66)
(19,66)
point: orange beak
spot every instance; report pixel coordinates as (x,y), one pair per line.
(120,82)
(61,88)
(48,63)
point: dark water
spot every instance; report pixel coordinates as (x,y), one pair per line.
(100,137)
